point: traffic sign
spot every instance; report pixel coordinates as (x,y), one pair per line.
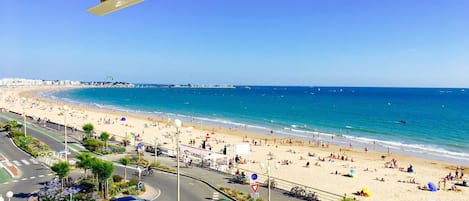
(255,187)
(253,177)
(255,195)
(140,184)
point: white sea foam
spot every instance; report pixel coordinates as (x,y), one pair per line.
(294,130)
(415,148)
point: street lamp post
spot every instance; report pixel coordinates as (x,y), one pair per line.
(24,115)
(177,124)
(9,195)
(65,131)
(268,176)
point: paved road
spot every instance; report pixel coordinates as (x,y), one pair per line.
(218,179)
(31,174)
(166,183)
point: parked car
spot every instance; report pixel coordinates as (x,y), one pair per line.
(128,198)
(151,149)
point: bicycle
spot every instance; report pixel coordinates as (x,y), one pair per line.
(297,192)
(147,172)
(273,183)
(311,196)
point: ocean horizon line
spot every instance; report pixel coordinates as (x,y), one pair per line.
(307,86)
(344,136)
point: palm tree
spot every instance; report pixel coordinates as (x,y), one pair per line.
(105,137)
(11,125)
(62,169)
(103,170)
(125,161)
(86,159)
(88,129)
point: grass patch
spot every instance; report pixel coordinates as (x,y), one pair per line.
(4,176)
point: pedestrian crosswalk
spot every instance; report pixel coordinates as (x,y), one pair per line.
(20,162)
(42,176)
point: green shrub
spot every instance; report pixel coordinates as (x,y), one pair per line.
(116,149)
(24,140)
(155,164)
(44,147)
(134,158)
(117,178)
(16,132)
(93,144)
(87,186)
(133,182)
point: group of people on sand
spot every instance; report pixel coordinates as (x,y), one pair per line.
(391,164)
(410,181)
(340,157)
(457,175)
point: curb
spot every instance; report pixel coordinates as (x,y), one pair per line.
(6,167)
(153,197)
(203,181)
(184,175)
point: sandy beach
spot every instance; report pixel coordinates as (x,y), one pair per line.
(326,168)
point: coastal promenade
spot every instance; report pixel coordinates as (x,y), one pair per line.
(160,186)
(214,179)
(326,170)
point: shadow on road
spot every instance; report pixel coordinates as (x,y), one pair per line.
(23,195)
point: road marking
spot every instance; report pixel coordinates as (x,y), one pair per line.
(32,177)
(50,174)
(157,195)
(24,179)
(6,183)
(8,163)
(17,163)
(15,181)
(25,162)
(215,195)
(34,161)
(41,175)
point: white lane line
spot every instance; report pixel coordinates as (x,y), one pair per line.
(17,163)
(25,162)
(24,179)
(34,161)
(157,195)
(32,177)
(50,174)
(6,183)
(41,175)
(15,181)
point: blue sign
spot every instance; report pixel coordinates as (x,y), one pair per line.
(140,184)
(253,176)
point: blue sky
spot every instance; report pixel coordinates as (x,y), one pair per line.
(262,42)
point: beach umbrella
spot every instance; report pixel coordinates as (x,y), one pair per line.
(366,191)
(123,119)
(353,173)
(432,187)
(139,145)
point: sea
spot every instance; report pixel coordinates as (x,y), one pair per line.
(425,122)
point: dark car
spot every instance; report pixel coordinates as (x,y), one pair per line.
(128,198)
(151,149)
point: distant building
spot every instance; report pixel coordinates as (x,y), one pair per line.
(12,82)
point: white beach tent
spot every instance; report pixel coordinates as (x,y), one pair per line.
(242,149)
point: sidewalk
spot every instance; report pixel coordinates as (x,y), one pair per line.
(211,177)
(150,192)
